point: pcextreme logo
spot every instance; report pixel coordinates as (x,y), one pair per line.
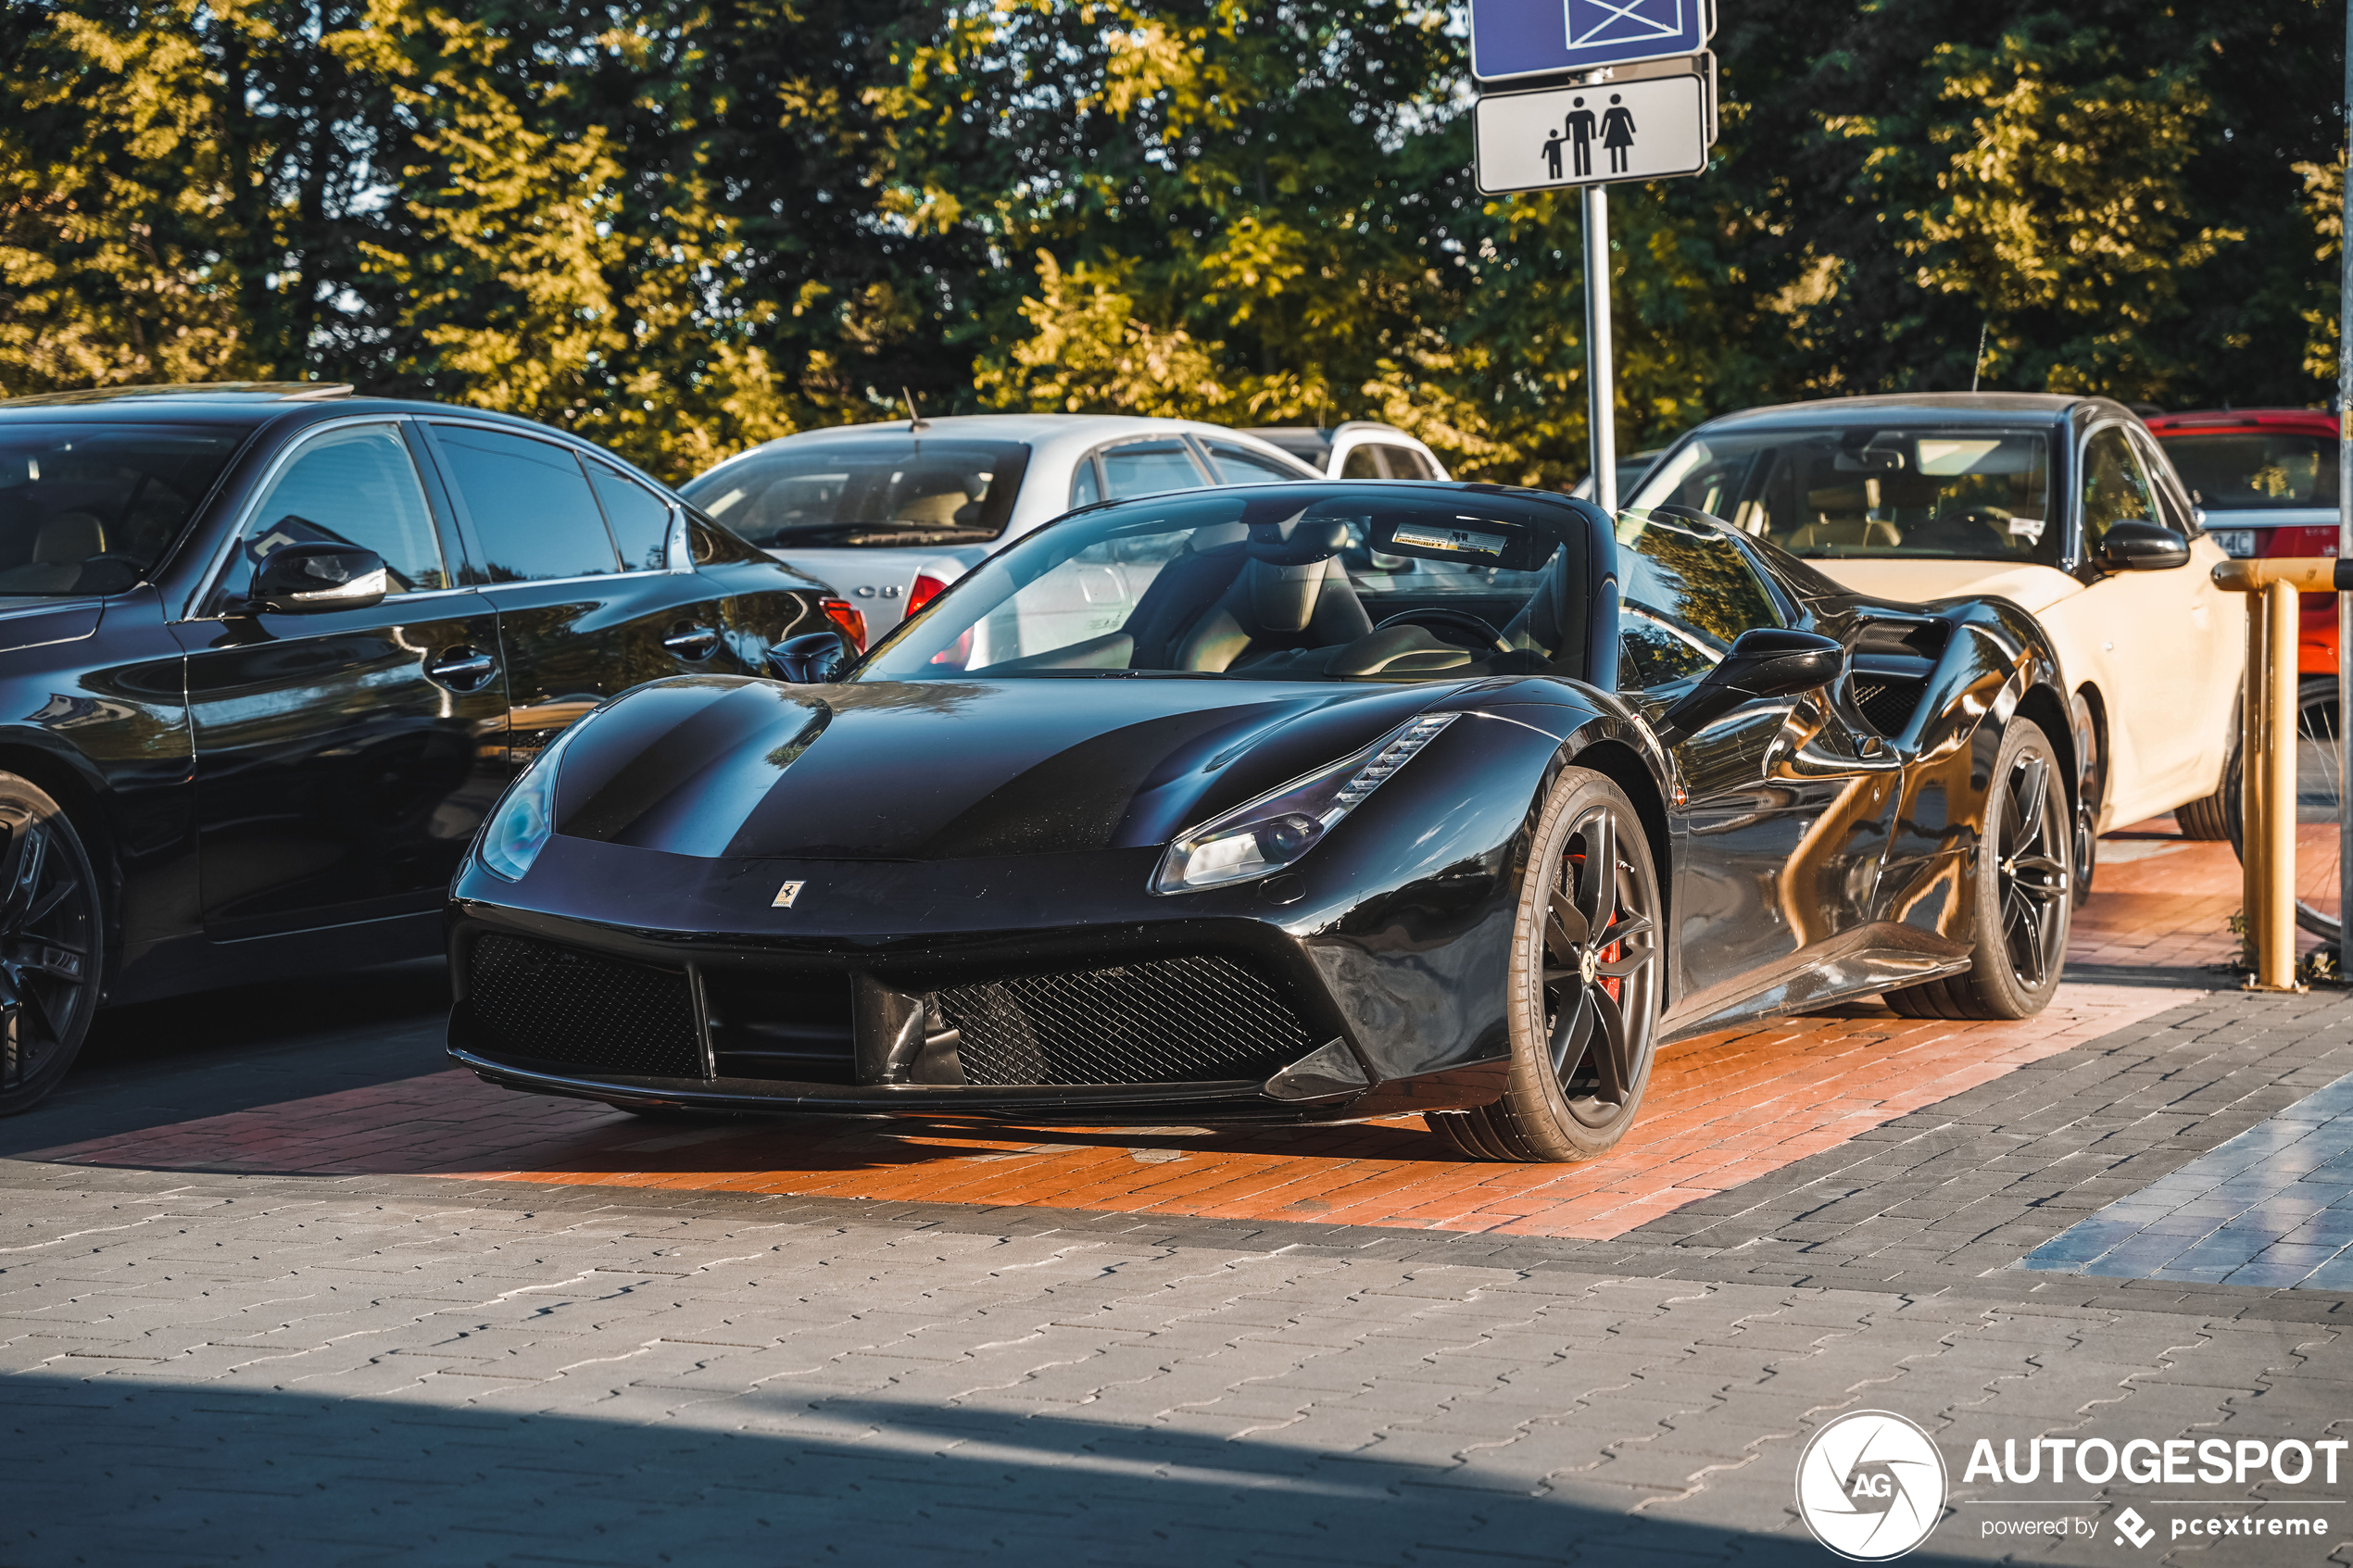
(1870,1485)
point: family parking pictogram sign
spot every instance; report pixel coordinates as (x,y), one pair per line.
(1645,129)
(1513,39)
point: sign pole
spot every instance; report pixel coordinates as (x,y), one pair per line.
(1600,377)
(2345,537)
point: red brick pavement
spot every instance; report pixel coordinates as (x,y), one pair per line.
(1721,1109)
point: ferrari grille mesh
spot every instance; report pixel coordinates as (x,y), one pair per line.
(1170,1020)
(535,1000)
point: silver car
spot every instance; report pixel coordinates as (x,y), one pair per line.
(890,514)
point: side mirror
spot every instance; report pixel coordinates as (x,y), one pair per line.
(312,577)
(810,659)
(2137,545)
(1766,662)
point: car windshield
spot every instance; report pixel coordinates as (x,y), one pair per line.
(872,492)
(2257,471)
(1304,582)
(88,508)
(1835,492)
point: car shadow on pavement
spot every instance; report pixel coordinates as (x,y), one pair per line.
(387,1468)
(152,1063)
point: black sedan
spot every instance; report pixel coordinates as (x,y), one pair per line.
(1308,802)
(268,653)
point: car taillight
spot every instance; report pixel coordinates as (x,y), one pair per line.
(926,589)
(2320,540)
(850,617)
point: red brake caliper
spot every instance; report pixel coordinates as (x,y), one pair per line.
(1613,986)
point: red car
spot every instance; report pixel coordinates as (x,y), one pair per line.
(2265,479)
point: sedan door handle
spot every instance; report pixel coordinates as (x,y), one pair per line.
(461,670)
(692,643)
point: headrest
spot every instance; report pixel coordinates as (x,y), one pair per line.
(69,539)
(1296,541)
(1283,597)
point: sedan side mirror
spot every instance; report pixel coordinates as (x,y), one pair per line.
(2137,545)
(1766,662)
(811,660)
(315,576)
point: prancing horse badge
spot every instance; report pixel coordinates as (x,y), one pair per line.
(786,894)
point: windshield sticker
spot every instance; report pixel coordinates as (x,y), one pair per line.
(1454,541)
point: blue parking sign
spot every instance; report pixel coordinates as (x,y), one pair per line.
(1521,38)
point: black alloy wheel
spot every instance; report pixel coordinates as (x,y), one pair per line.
(50,931)
(2023,893)
(1584,989)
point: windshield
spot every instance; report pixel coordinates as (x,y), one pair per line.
(870,493)
(2256,471)
(1314,582)
(88,508)
(1835,492)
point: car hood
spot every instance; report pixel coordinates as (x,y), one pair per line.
(715,766)
(1913,581)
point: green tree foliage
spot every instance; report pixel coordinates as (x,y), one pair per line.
(681,228)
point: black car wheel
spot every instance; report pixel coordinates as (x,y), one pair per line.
(1584,982)
(50,933)
(2022,899)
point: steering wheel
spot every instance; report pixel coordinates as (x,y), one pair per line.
(1462,619)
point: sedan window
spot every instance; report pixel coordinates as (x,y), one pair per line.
(87,508)
(2257,470)
(2114,489)
(355,486)
(1148,468)
(532,511)
(1406,463)
(878,492)
(1237,464)
(1362,462)
(1843,492)
(638,518)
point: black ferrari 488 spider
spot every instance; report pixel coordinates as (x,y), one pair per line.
(1300,802)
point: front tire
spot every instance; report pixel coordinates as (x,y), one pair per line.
(1584,987)
(2019,921)
(51,937)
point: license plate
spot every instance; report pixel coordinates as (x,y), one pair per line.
(2236,542)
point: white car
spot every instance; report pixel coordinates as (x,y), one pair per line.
(890,514)
(1356,449)
(2065,506)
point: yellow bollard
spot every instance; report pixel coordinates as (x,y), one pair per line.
(2254,827)
(2268,734)
(2275,951)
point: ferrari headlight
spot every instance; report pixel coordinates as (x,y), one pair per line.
(1263,837)
(525,815)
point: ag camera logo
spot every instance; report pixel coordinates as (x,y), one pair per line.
(1870,1485)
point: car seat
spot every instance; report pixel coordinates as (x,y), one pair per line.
(1842,521)
(64,542)
(1290,596)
